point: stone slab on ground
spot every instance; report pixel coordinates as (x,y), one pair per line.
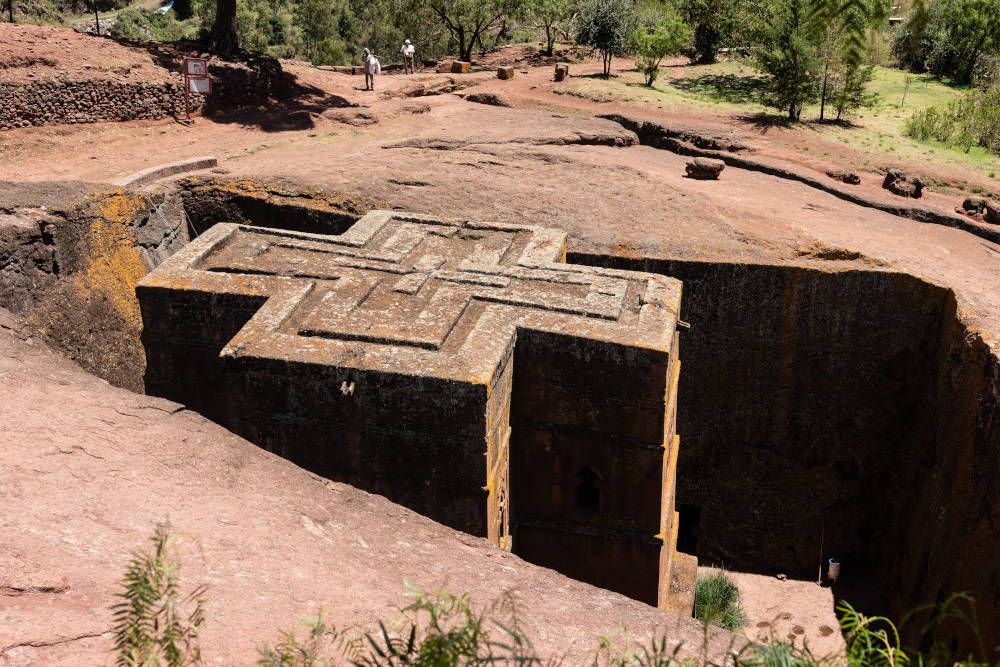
(157,172)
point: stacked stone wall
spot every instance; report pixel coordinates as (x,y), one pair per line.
(71,101)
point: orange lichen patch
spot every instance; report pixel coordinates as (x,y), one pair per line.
(113,265)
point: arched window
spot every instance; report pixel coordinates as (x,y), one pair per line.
(588,492)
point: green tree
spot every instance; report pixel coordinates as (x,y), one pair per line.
(791,59)
(713,22)
(550,16)
(963,34)
(652,44)
(470,21)
(841,29)
(606,25)
(317,21)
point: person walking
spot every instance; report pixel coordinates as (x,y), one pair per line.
(408,52)
(372,67)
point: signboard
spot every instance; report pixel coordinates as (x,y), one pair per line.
(200,86)
(195,68)
(195,81)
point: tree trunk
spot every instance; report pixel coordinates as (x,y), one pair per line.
(550,39)
(464,47)
(822,95)
(10,9)
(224,38)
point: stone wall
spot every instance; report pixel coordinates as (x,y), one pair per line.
(94,100)
(89,101)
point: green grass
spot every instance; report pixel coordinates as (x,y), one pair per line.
(717,602)
(734,87)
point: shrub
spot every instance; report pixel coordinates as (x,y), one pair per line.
(973,120)
(717,601)
(608,26)
(652,44)
(155,623)
(439,630)
(144,25)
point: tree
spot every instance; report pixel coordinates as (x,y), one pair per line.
(790,58)
(224,38)
(317,21)
(713,22)
(468,21)
(841,28)
(606,25)
(550,15)
(670,35)
(909,43)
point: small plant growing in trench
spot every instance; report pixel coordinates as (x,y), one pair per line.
(717,601)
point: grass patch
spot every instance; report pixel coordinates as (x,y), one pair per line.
(736,87)
(717,601)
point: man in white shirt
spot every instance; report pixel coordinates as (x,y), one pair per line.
(371,67)
(408,52)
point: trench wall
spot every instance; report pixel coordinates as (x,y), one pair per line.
(850,408)
(70,270)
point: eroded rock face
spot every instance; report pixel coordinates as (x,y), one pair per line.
(847,406)
(904,185)
(704,169)
(848,177)
(70,258)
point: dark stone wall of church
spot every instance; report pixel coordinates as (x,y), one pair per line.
(587,436)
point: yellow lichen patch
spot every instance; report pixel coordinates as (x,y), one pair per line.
(113,265)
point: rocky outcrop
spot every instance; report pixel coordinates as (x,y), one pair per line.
(70,258)
(848,177)
(903,185)
(704,169)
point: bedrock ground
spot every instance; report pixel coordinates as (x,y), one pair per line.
(841,359)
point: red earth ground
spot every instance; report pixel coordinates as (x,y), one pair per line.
(544,160)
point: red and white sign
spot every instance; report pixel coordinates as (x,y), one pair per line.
(196,68)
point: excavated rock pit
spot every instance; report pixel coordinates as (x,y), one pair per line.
(841,413)
(844,413)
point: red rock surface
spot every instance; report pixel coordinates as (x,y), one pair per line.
(89,469)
